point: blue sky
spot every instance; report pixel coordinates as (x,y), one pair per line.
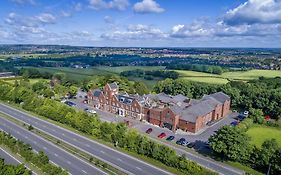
(144,23)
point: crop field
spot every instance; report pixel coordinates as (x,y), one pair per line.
(226,77)
(259,134)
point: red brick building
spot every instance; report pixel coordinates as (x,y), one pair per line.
(173,112)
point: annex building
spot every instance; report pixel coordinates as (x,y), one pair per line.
(173,112)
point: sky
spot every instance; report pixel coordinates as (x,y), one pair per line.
(142,23)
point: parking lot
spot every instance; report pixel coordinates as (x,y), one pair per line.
(199,139)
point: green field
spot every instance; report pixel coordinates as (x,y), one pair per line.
(93,72)
(32,81)
(227,76)
(259,134)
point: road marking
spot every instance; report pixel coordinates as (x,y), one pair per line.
(84,171)
(56,155)
(138,168)
(87,145)
(119,160)
(102,152)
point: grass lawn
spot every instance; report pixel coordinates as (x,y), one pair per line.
(259,134)
(118,70)
(225,77)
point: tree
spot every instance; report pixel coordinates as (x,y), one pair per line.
(72,91)
(257,115)
(230,143)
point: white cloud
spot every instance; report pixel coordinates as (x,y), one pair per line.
(114,4)
(255,11)
(119,4)
(77,7)
(46,18)
(196,29)
(136,32)
(148,6)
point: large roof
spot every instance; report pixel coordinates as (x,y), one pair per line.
(113,85)
(96,92)
(219,96)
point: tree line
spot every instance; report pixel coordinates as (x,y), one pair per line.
(198,68)
(149,75)
(116,134)
(39,159)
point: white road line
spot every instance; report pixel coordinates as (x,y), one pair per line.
(138,168)
(119,160)
(102,152)
(84,171)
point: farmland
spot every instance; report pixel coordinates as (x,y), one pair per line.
(227,76)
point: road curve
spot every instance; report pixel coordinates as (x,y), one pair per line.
(74,165)
(124,162)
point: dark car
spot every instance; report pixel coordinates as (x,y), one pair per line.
(234,123)
(148,131)
(69,103)
(170,138)
(190,145)
(182,141)
(162,135)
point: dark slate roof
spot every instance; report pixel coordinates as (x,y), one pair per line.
(193,112)
(180,98)
(96,92)
(126,99)
(113,85)
(164,98)
(219,96)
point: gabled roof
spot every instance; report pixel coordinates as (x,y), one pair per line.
(219,96)
(113,85)
(125,99)
(200,109)
(179,98)
(96,92)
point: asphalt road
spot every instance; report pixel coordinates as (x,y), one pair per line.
(57,155)
(122,161)
(9,159)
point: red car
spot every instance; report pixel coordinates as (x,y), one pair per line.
(162,135)
(148,131)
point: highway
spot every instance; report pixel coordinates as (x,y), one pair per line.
(57,155)
(9,159)
(124,162)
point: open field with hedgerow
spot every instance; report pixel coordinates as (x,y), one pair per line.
(92,72)
(227,76)
(260,133)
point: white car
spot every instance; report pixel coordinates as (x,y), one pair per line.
(246,113)
(92,111)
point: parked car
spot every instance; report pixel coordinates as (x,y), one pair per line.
(92,111)
(149,130)
(241,117)
(182,142)
(190,145)
(69,103)
(170,138)
(86,109)
(162,135)
(234,123)
(246,113)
